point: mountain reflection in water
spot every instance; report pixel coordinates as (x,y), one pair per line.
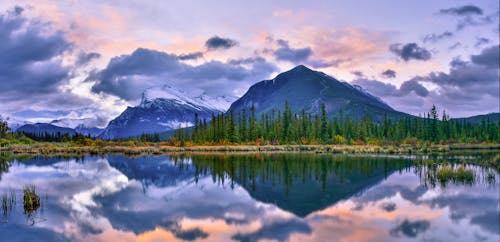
(282,197)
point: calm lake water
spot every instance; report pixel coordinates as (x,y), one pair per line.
(259,197)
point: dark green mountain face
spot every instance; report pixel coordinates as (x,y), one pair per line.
(307,90)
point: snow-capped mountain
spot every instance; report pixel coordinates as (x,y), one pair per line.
(219,103)
(163,109)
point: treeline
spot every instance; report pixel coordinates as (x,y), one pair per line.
(54,137)
(291,128)
(80,138)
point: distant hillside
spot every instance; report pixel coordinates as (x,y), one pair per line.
(42,128)
(493,117)
(305,89)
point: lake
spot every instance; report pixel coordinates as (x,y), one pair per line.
(251,197)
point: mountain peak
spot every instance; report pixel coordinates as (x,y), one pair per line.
(307,89)
(300,68)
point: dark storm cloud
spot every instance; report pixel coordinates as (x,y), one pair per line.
(410,51)
(31,60)
(463,10)
(191,56)
(217,42)
(84,58)
(127,76)
(389,73)
(286,53)
(433,38)
(489,57)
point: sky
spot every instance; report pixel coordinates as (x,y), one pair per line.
(91,59)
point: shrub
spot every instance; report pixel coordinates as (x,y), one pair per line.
(31,200)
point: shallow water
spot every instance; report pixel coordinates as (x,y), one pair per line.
(280,197)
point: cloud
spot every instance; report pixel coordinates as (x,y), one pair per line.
(454,46)
(127,76)
(413,86)
(84,58)
(489,57)
(389,73)
(358,74)
(280,231)
(480,41)
(468,85)
(31,60)
(286,53)
(18,10)
(482,70)
(217,42)
(32,66)
(388,206)
(488,221)
(302,56)
(410,51)
(377,88)
(470,15)
(410,229)
(382,89)
(433,38)
(191,56)
(465,10)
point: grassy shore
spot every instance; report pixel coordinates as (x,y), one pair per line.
(157,148)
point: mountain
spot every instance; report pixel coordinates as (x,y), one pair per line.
(82,126)
(493,117)
(163,109)
(306,89)
(88,131)
(42,128)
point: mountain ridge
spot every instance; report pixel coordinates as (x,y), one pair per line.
(306,89)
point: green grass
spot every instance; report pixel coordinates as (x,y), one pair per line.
(447,173)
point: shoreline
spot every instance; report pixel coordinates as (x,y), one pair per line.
(157,149)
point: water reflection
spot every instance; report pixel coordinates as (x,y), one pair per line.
(295,197)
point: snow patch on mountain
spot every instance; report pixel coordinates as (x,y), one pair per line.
(73,122)
(166,92)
